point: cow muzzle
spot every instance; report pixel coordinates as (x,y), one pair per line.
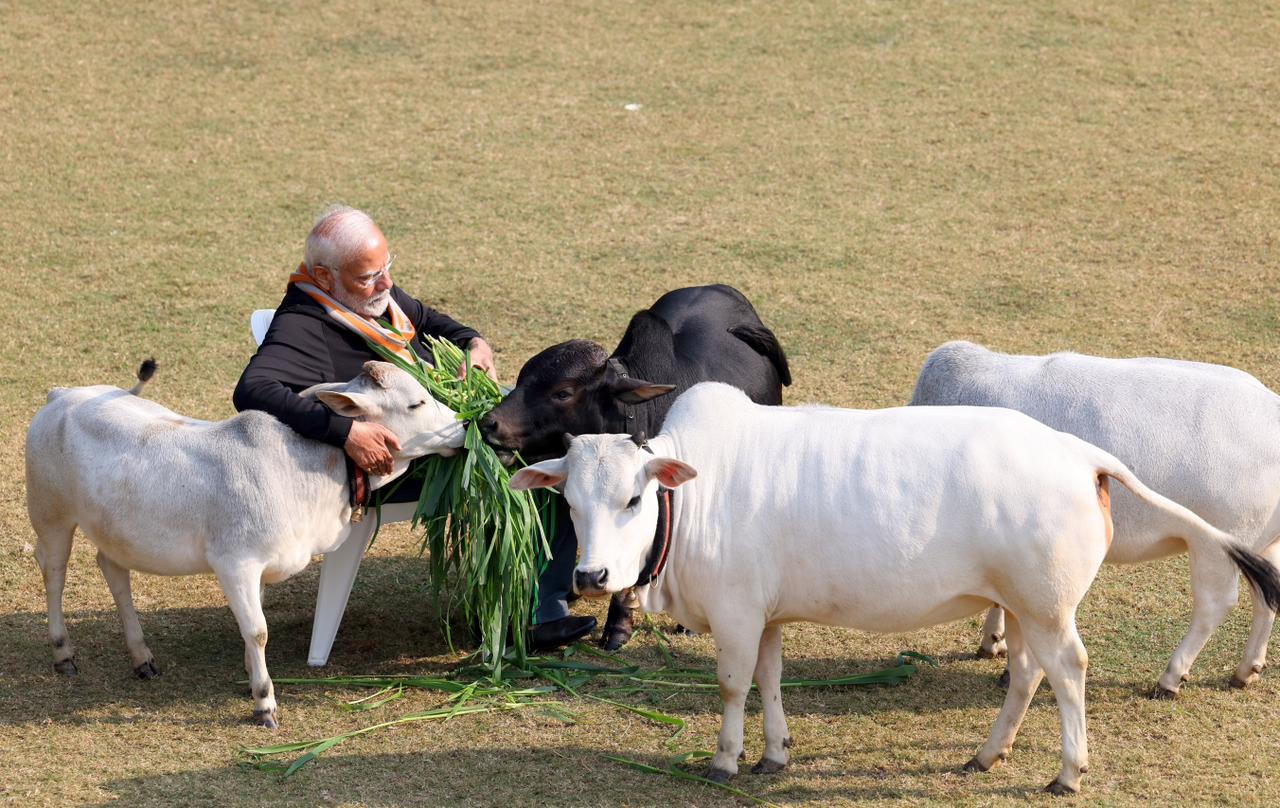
(445,442)
(591,583)
(500,439)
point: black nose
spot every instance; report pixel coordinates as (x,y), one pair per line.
(587,581)
(488,425)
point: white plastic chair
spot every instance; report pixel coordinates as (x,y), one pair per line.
(339,568)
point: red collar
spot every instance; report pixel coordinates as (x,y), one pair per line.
(359,491)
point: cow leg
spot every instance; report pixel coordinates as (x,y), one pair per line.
(53,551)
(1215,589)
(243,587)
(993,635)
(1255,651)
(620,623)
(1025,674)
(248,658)
(144,664)
(737,648)
(768,678)
(1059,651)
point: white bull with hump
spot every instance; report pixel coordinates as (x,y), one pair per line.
(247,499)
(1205,435)
(884,520)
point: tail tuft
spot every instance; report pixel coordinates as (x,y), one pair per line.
(1261,573)
(145,373)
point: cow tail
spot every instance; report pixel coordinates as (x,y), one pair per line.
(145,373)
(1262,574)
(762,341)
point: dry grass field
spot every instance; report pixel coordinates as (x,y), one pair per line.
(878,177)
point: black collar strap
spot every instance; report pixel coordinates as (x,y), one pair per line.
(661,541)
(628,410)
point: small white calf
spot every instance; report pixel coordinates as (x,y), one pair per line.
(1206,436)
(247,499)
(884,520)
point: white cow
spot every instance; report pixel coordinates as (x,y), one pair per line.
(884,520)
(1205,435)
(247,499)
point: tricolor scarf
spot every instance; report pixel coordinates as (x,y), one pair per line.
(395,339)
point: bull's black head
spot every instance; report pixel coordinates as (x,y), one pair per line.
(570,387)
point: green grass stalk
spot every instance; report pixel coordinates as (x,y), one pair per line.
(486,543)
(490,694)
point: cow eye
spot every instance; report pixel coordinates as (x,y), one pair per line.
(562,395)
(419,404)
(634,502)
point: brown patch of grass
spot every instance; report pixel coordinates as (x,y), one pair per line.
(877,178)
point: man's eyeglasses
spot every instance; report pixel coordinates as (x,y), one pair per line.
(368,281)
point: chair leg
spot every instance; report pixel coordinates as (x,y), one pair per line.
(337,576)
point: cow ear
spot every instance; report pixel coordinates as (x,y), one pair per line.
(314,390)
(636,391)
(547,474)
(670,472)
(352,405)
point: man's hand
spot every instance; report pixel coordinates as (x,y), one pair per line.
(371,445)
(481,357)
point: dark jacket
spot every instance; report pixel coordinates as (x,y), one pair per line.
(304,346)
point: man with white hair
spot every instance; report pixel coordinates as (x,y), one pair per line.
(321,330)
(339,300)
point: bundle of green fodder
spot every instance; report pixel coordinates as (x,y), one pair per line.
(486,543)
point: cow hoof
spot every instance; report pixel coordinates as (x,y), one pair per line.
(614,638)
(974,765)
(1003,681)
(66,667)
(1255,673)
(786,742)
(1057,789)
(766,766)
(679,629)
(1162,693)
(265,718)
(720,776)
(147,670)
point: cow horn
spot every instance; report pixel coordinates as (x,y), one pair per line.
(378,372)
(568,438)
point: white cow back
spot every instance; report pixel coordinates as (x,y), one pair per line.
(827,512)
(1204,435)
(223,487)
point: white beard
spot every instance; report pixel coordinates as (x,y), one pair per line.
(369,307)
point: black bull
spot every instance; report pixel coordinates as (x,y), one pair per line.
(692,335)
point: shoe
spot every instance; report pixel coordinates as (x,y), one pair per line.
(559,633)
